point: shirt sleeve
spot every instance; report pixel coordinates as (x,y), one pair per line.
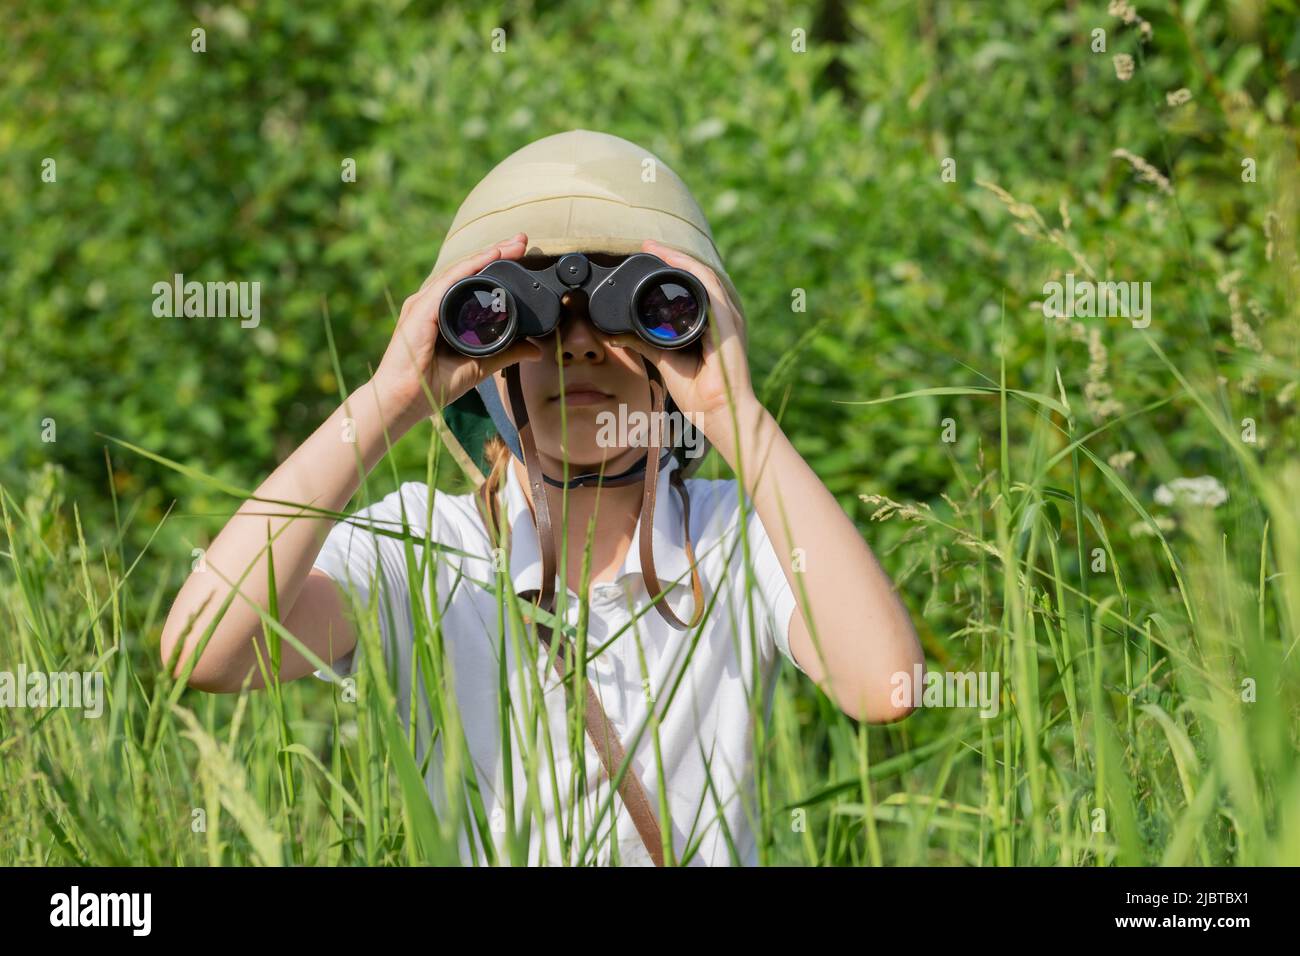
(360,558)
(776,597)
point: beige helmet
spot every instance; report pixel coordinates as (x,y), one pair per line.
(578,191)
(582,191)
(588,192)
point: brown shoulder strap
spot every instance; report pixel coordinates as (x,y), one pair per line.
(652,585)
(604,736)
(537,485)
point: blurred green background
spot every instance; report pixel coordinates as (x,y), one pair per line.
(819,170)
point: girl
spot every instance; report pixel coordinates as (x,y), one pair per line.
(681,633)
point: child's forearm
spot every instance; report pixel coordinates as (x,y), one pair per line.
(414,377)
(864,635)
(324,472)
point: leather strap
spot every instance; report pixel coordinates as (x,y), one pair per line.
(536,484)
(652,586)
(593,478)
(541,508)
(604,736)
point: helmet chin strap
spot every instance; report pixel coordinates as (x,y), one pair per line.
(537,482)
(592,478)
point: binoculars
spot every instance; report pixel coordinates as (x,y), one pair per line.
(485,313)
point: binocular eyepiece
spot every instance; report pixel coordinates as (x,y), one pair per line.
(486,313)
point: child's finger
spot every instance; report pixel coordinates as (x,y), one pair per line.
(673,365)
(510,248)
(667,361)
(724,310)
(524,350)
(629,341)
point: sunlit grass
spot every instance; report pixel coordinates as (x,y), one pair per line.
(1147,713)
(1147,654)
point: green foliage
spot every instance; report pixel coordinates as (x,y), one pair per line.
(819,171)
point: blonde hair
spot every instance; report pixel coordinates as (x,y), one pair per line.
(497,455)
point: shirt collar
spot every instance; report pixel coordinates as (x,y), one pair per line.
(671,562)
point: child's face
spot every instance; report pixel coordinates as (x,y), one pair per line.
(598,378)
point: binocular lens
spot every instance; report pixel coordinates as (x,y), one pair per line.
(481,317)
(667,311)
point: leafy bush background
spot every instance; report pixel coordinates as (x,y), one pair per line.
(819,171)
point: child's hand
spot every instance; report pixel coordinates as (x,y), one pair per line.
(418,356)
(702,381)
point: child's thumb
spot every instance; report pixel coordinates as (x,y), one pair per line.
(524,350)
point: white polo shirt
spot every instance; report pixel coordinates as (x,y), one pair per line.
(707,683)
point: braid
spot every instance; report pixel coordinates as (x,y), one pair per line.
(497,453)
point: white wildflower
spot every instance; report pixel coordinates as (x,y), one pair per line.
(1121,459)
(1206,491)
(1140,529)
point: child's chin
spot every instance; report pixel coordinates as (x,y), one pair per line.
(590,458)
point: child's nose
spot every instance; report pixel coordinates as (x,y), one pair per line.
(578,337)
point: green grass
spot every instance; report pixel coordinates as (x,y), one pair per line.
(1150,684)
(1123,734)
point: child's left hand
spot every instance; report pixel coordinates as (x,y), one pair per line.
(700,379)
(865,637)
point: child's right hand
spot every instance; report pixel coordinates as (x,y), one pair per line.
(418,356)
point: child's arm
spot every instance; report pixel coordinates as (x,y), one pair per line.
(323,473)
(864,633)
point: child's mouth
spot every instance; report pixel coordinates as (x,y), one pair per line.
(581,393)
